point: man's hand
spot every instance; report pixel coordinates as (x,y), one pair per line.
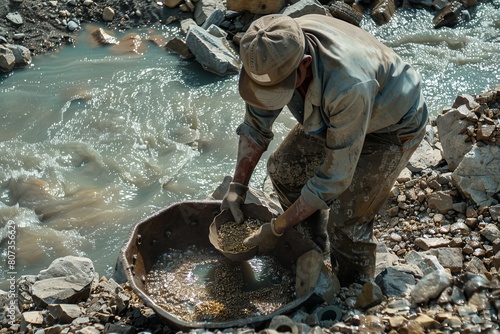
(265,237)
(268,234)
(234,198)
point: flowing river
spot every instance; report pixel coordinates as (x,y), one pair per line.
(93,141)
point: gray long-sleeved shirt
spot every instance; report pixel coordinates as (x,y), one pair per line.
(359,86)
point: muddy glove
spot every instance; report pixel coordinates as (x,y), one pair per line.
(265,238)
(234,198)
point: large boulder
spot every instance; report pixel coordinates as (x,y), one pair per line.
(21,53)
(478,174)
(212,50)
(67,280)
(469,136)
(13,55)
(451,128)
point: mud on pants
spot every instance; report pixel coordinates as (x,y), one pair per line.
(349,224)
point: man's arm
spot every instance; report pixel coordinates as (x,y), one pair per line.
(249,154)
(294,215)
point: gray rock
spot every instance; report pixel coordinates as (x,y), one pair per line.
(24,285)
(64,313)
(7,59)
(304,7)
(215,18)
(72,267)
(108,14)
(109,285)
(424,157)
(121,302)
(179,46)
(384,258)
(428,243)
(103,38)
(15,18)
(476,266)
(72,26)
(370,295)
(328,285)
(459,228)
(444,178)
(478,174)
(450,126)
(449,257)
(460,207)
(214,53)
(496,260)
(185,24)
(88,330)
(67,280)
(495,212)
(430,286)
(31,318)
(405,175)
(426,263)
(394,282)
(490,232)
(441,201)
(205,8)
(467,100)
(22,54)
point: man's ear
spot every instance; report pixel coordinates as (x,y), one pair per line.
(307,60)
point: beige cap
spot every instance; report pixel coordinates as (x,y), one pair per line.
(271,50)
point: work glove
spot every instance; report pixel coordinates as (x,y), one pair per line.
(234,198)
(265,238)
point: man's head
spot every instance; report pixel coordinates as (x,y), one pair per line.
(271,50)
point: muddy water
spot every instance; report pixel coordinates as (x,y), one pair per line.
(93,140)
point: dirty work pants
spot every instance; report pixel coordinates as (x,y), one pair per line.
(351,215)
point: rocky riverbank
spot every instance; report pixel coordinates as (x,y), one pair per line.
(438,259)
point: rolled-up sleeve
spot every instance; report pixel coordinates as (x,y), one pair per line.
(257,125)
(349,116)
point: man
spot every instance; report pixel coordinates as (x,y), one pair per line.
(360,114)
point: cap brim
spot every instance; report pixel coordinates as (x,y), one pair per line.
(267,97)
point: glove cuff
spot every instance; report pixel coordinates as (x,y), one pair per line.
(273,229)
